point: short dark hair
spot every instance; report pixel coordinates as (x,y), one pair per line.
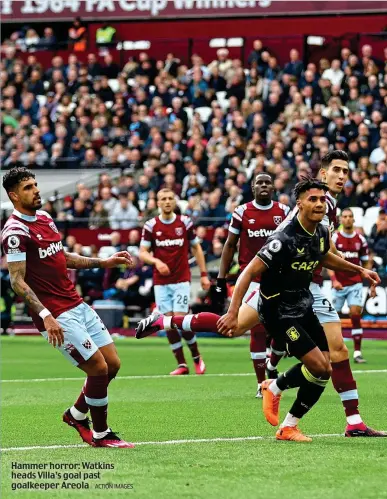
(347,209)
(309,183)
(254,177)
(336,154)
(16,175)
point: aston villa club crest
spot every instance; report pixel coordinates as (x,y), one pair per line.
(53,227)
(277,220)
(179,231)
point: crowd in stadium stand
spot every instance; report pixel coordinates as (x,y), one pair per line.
(201,129)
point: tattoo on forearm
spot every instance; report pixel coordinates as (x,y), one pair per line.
(17,274)
(75,261)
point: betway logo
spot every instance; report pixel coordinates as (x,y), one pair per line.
(350,254)
(260,232)
(170,242)
(51,250)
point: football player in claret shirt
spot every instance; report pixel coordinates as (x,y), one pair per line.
(38,267)
(166,244)
(287,262)
(251,224)
(349,288)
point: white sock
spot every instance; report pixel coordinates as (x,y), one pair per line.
(167,322)
(78,415)
(357,353)
(274,388)
(355,419)
(101,434)
(268,352)
(290,420)
(270,366)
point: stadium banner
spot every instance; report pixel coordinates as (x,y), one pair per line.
(102,10)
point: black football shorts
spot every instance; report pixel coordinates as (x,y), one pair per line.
(300,335)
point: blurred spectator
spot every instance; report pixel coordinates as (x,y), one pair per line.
(99,217)
(80,215)
(124,215)
(109,202)
(223,64)
(105,35)
(366,197)
(93,67)
(115,241)
(91,160)
(151,209)
(31,39)
(214,211)
(348,196)
(77,36)
(294,67)
(378,237)
(124,284)
(334,74)
(134,242)
(48,40)
(216,251)
(91,280)
(110,69)
(194,208)
(255,54)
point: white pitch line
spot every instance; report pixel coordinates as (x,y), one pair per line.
(165,376)
(167,442)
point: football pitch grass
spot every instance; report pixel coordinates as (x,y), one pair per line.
(197,436)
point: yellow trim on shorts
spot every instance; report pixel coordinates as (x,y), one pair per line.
(269,297)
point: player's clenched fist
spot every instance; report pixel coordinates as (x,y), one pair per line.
(205,283)
(120,258)
(337,285)
(373,278)
(54,331)
(162,267)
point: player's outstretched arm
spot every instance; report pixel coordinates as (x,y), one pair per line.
(75,261)
(229,322)
(17,272)
(197,252)
(333,262)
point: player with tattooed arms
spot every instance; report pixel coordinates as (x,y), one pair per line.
(38,266)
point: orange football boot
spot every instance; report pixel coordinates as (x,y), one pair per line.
(291,433)
(270,404)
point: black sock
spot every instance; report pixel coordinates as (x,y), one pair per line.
(291,378)
(308,394)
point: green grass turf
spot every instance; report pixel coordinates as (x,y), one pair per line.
(191,407)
